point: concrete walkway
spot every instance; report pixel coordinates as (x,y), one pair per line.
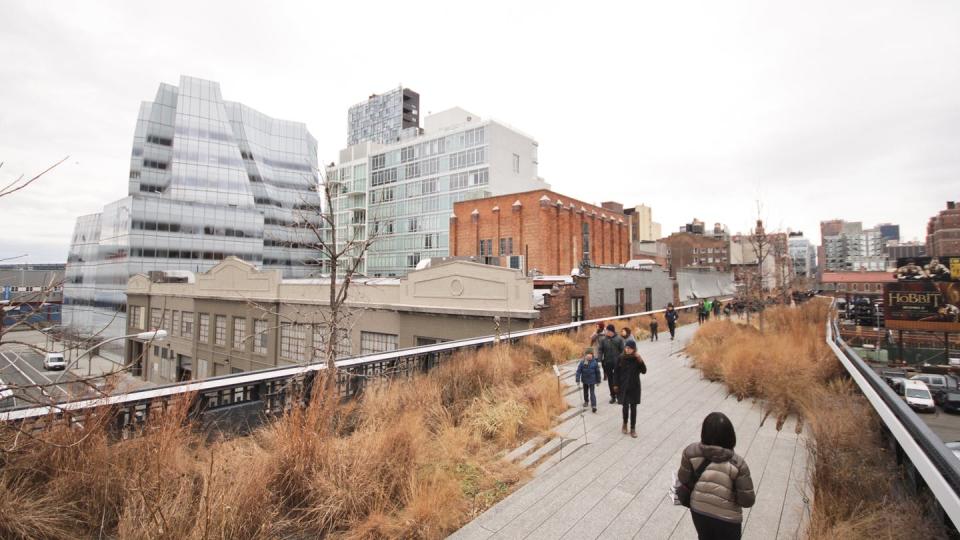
(613,486)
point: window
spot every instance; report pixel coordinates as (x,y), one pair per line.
(344,347)
(486,248)
(585,240)
(136,317)
(291,341)
(506,246)
(186,325)
(175,323)
(204,328)
(516,163)
(260,337)
(375,342)
(618,301)
(220,330)
(156,315)
(648,299)
(576,309)
(239,333)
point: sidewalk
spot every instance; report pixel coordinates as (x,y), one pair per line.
(609,485)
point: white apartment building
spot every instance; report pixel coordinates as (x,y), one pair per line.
(803,254)
(853,249)
(402,193)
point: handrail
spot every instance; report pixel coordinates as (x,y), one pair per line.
(289,372)
(937,465)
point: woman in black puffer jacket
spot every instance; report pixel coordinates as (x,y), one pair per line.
(626,376)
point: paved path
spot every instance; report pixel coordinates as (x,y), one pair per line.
(614,486)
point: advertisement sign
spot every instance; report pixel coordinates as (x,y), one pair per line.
(926,295)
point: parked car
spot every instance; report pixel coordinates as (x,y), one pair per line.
(951,402)
(955,448)
(938,385)
(918,396)
(54,360)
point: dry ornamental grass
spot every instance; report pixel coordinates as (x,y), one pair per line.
(411,459)
(855,480)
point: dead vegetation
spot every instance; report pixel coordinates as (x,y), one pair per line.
(411,459)
(854,480)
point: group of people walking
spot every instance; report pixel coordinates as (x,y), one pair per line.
(708,307)
(715,480)
(613,358)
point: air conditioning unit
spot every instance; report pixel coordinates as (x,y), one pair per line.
(516,262)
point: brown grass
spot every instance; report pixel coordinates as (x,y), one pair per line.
(854,479)
(411,459)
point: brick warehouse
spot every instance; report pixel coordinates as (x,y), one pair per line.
(538,230)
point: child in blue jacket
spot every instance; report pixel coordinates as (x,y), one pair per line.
(588,372)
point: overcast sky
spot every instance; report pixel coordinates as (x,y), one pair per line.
(699,109)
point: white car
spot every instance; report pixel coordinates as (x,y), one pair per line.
(54,360)
(918,396)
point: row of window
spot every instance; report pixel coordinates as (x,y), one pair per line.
(154,164)
(16,288)
(485,248)
(150,253)
(186,228)
(162,141)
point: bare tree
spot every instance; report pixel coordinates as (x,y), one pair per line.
(341,258)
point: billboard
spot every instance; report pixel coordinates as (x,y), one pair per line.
(926,295)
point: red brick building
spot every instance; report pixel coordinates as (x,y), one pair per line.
(538,230)
(943,232)
(686,249)
(847,284)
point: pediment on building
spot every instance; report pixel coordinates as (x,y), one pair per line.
(139,283)
(460,286)
(237,276)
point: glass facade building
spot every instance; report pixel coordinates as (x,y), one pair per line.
(402,193)
(208,178)
(384,118)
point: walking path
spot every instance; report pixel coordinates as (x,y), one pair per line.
(609,485)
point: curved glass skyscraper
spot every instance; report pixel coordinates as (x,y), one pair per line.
(208,178)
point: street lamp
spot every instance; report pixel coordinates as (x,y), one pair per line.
(151,336)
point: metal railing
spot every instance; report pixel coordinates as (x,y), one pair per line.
(243,400)
(930,465)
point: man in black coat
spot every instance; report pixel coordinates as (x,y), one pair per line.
(611,347)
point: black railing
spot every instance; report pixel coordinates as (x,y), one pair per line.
(243,400)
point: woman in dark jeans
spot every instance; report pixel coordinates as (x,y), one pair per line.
(724,488)
(626,374)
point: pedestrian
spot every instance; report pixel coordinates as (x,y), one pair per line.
(671,316)
(611,347)
(588,374)
(726,310)
(724,487)
(596,337)
(653,329)
(716,309)
(627,373)
(700,313)
(707,308)
(626,333)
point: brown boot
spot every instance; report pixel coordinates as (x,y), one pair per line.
(624,429)
(633,433)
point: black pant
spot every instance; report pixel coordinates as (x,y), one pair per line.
(711,528)
(672,326)
(630,413)
(608,373)
(653,334)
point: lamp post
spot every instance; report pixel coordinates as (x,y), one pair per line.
(153,335)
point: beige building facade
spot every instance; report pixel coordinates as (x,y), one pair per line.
(235,318)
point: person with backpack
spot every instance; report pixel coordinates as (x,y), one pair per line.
(588,373)
(627,375)
(714,481)
(671,316)
(611,347)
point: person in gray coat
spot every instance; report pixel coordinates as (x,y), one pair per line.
(724,488)
(611,347)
